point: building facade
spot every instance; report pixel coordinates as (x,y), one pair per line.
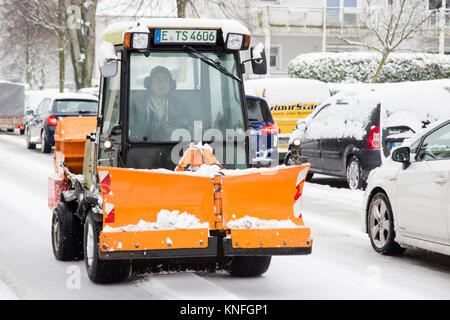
(292,27)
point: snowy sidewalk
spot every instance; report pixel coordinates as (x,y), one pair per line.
(6,293)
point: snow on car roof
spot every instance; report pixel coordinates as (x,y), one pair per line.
(114,33)
(401,105)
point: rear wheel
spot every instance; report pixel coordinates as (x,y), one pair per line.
(354,174)
(28,140)
(249,266)
(67,234)
(101,271)
(380,224)
(45,145)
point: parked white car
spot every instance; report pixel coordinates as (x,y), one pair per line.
(406,202)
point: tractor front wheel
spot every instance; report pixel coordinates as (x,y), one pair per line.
(253,266)
(101,271)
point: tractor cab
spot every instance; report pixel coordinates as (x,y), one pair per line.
(169,82)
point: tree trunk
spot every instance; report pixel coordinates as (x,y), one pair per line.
(82,45)
(62,58)
(28,71)
(380,67)
(181,8)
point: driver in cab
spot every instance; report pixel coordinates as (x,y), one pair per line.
(156,114)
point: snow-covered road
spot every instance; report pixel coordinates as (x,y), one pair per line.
(342,265)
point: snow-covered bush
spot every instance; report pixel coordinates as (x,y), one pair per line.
(361,67)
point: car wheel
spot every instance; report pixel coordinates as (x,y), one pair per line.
(45,145)
(293,159)
(354,174)
(101,271)
(380,225)
(30,145)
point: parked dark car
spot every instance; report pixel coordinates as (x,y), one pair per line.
(263,132)
(350,135)
(41,127)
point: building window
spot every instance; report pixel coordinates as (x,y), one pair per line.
(274,59)
(350,3)
(434,4)
(337,15)
(437,4)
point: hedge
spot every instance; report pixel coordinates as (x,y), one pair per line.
(361,67)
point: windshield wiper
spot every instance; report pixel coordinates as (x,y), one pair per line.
(213,63)
(84,111)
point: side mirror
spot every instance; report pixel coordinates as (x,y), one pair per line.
(402,155)
(116,130)
(107,60)
(301,125)
(258,58)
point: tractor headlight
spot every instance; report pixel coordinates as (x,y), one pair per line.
(237,41)
(107,145)
(140,40)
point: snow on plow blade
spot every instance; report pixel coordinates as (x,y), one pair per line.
(160,213)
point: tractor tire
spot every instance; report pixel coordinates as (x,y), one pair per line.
(101,271)
(249,266)
(67,234)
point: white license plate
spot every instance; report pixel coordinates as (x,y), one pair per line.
(185,36)
(283,141)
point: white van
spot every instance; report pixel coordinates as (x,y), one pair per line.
(289,99)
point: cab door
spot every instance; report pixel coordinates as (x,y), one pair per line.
(422,189)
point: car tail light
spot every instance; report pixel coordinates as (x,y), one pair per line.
(52,121)
(270,129)
(374,141)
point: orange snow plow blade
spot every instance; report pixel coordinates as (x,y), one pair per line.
(161,213)
(139,204)
(263,209)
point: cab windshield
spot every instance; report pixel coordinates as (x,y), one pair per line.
(177,96)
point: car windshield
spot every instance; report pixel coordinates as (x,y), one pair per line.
(178,96)
(76,106)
